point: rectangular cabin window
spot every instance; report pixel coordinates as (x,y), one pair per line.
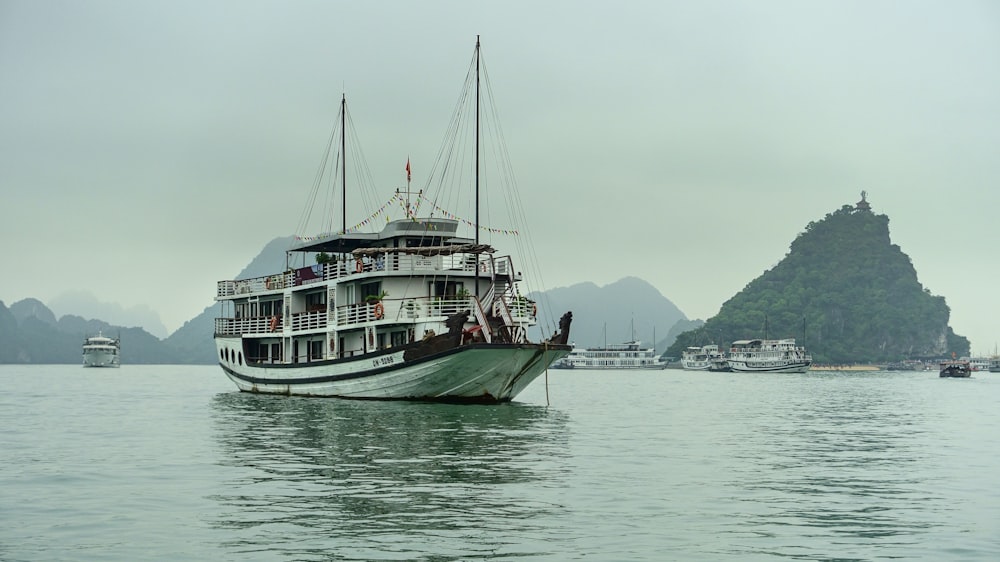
(397,338)
(315,350)
(423,241)
(447,289)
(370,290)
(271,308)
(316,301)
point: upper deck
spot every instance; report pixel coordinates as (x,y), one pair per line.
(391,262)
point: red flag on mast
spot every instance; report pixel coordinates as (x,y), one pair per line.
(407,169)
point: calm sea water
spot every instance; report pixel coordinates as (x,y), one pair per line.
(171,463)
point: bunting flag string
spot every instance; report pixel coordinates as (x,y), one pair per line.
(509,232)
(358,226)
(411,213)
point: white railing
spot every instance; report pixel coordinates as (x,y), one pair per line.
(515,312)
(309,320)
(247,325)
(339,269)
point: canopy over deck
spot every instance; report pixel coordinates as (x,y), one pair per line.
(429,250)
(440,232)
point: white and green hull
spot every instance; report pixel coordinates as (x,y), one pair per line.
(473,373)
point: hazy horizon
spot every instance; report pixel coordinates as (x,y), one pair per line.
(152,149)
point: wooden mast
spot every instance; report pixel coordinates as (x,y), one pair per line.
(477,139)
(477,162)
(343,162)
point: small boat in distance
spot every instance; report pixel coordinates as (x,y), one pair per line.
(415,311)
(703,358)
(101,351)
(628,355)
(956,368)
(995,364)
(979,364)
(719,364)
(768,356)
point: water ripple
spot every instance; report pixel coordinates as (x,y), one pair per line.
(384,480)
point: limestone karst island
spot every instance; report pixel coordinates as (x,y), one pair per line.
(844,291)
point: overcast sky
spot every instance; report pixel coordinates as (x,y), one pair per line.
(150,149)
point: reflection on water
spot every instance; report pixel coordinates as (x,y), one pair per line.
(839,460)
(334,479)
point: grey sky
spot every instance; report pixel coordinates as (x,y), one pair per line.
(148,150)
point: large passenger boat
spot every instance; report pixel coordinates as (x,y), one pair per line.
(101,351)
(768,356)
(417,310)
(628,355)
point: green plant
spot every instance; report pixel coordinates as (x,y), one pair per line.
(376,298)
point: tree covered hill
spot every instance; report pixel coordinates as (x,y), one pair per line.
(845,291)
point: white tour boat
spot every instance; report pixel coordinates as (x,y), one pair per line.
(628,355)
(979,363)
(704,358)
(994,364)
(768,356)
(416,311)
(101,351)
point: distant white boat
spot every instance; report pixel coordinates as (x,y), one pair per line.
(704,358)
(628,355)
(101,351)
(769,356)
(979,363)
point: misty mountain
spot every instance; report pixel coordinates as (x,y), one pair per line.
(32,308)
(30,333)
(194,340)
(628,309)
(86,305)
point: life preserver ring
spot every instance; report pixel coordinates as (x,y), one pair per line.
(274,323)
(359,266)
(534,309)
(379,311)
(333,345)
